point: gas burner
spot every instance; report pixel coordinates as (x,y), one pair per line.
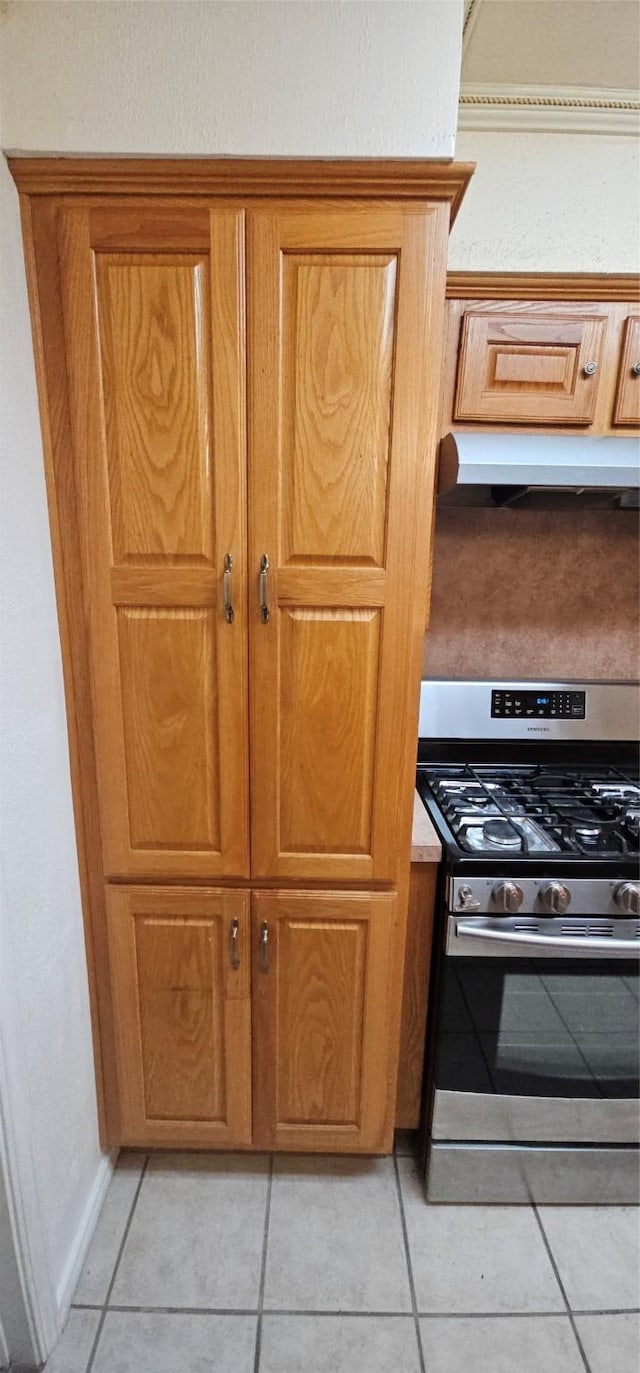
(553,781)
(502,834)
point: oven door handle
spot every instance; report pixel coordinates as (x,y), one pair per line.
(587,942)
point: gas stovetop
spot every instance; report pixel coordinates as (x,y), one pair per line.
(537,809)
(534,783)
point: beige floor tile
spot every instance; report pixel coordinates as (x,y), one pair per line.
(96,1275)
(335,1237)
(597,1250)
(156,1342)
(197,1234)
(71,1354)
(500,1344)
(612,1342)
(339,1344)
(476,1258)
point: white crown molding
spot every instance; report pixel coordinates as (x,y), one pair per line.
(549,109)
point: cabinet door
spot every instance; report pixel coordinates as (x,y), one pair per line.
(627,406)
(524,368)
(180,985)
(154,335)
(326,1005)
(342,332)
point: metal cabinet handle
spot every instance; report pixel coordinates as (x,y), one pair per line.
(233,942)
(264,947)
(590,368)
(636,369)
(264,589)
(226,585)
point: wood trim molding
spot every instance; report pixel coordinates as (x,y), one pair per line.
(614,286)
(548,109)
(412,178)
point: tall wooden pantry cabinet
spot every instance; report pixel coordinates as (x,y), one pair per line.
(238,367)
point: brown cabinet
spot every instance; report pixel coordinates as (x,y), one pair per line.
(181,987)
(326,971)
(415,995)
(627,405)
(240,447)
(541,352)
(525,368)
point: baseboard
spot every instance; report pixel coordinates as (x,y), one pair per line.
(84,1234)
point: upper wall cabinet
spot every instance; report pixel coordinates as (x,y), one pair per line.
(627,408)
(529,369)
(541,353)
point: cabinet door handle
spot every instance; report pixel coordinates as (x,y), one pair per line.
(590,369)
(233,945)
(264,589)
(226,589)
(636,369)
(264,947)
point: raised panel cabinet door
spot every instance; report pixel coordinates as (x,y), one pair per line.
(627,404)
(180,980)
(155,341)
(326,1000)
(345,311)
(529,368)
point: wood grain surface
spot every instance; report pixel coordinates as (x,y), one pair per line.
(182,1015)
(155,344)
(324,1035)
(340,467)
(627,405)
(528,368)
(415,996)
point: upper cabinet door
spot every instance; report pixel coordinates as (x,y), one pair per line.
(345,305)
(154,333)
(627,406)
(527,368)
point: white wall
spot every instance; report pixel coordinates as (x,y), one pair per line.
(326,78)
(312,78)
(548,202)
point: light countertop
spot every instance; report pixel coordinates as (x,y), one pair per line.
(425,844)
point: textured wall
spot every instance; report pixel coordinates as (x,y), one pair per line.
(548,203)
(326,78)
(534,594)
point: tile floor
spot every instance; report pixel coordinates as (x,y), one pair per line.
(237,1264)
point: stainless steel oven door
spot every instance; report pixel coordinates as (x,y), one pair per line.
(538,1032)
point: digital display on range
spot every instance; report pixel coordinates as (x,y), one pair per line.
(560,705)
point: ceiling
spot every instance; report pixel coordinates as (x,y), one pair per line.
(560,43)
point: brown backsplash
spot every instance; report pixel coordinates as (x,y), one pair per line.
(534,594)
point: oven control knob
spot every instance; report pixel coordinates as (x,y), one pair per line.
(507,896)
(556,897)
(627,897)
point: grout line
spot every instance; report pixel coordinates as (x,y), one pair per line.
(379,1315)
(407,1254)
(561,1286)
(263,1269)
(116,1266)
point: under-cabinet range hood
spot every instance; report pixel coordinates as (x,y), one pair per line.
(539,471)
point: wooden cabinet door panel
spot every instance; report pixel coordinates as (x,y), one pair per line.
(182,1014)
(154,337)
(627,405)
(326,989)
(342,328)
(528,369)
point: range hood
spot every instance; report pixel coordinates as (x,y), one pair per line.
(539,471)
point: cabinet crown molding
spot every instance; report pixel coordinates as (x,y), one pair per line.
(609,286)
(405,178)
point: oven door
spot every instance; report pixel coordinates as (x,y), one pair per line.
(537,1032)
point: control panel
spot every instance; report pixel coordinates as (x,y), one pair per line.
(548,705)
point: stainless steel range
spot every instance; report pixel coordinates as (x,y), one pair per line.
(532,1087)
